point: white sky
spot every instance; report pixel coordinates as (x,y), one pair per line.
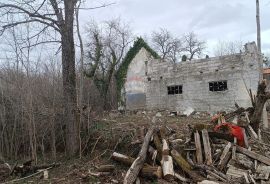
(212,20)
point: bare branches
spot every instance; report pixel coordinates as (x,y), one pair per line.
(96,7)
(228,48)
(167,45)
(192,45)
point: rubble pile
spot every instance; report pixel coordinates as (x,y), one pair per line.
(227,150)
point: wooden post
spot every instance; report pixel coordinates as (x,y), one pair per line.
(207,147)
(198,147)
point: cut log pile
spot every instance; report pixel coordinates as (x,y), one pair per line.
(223,152)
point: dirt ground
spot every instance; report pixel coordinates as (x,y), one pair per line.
(118,132)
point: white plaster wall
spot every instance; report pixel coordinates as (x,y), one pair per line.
(135,85)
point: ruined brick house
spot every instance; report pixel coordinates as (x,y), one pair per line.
(211,84)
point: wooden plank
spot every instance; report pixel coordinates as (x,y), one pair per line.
(224,158)
(198,148)
(252,132)
(245,138)
(207,147)
(254,155)
(234,148)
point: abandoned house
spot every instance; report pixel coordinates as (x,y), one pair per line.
(211,84)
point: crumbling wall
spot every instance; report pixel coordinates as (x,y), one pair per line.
(241,71)
(135,86)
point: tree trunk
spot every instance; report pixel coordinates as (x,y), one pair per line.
(69,80)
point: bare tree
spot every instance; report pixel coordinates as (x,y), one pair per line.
(168,47)
(192,45)
(228,47)
(106,49)
(57,16)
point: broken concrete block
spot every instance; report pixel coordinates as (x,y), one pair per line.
(158,114)
(188,111)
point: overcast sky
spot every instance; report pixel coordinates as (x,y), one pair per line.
(212,20)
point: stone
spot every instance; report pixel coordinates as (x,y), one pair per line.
(158,115)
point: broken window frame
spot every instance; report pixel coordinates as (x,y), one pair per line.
(175,89)
(216,86)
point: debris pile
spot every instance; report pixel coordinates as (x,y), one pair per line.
(227,150)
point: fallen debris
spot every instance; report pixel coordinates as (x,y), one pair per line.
(218,152)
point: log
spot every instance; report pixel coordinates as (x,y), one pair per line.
(198,148)
(158,146)
(181,178)
(123,158)
(185,166)
(253,155)
(138,163)
(207,147)
(106,168)
(167,162)
(165,147)
(146,171)
(225,156)
(167,167)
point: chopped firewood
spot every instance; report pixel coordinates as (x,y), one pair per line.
(207,147)
(262,172)
(167,167)
(153,154)
(167,162)
(198,147)
(225,156)
(158,145)
(243,161)
(181,178)
(207,168)
(147,170)
(216,176)
(234,172)
(137,165)
(185,166)
(106,168)
(254,155)
(165,147)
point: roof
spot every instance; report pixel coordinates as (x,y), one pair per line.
(266,71)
